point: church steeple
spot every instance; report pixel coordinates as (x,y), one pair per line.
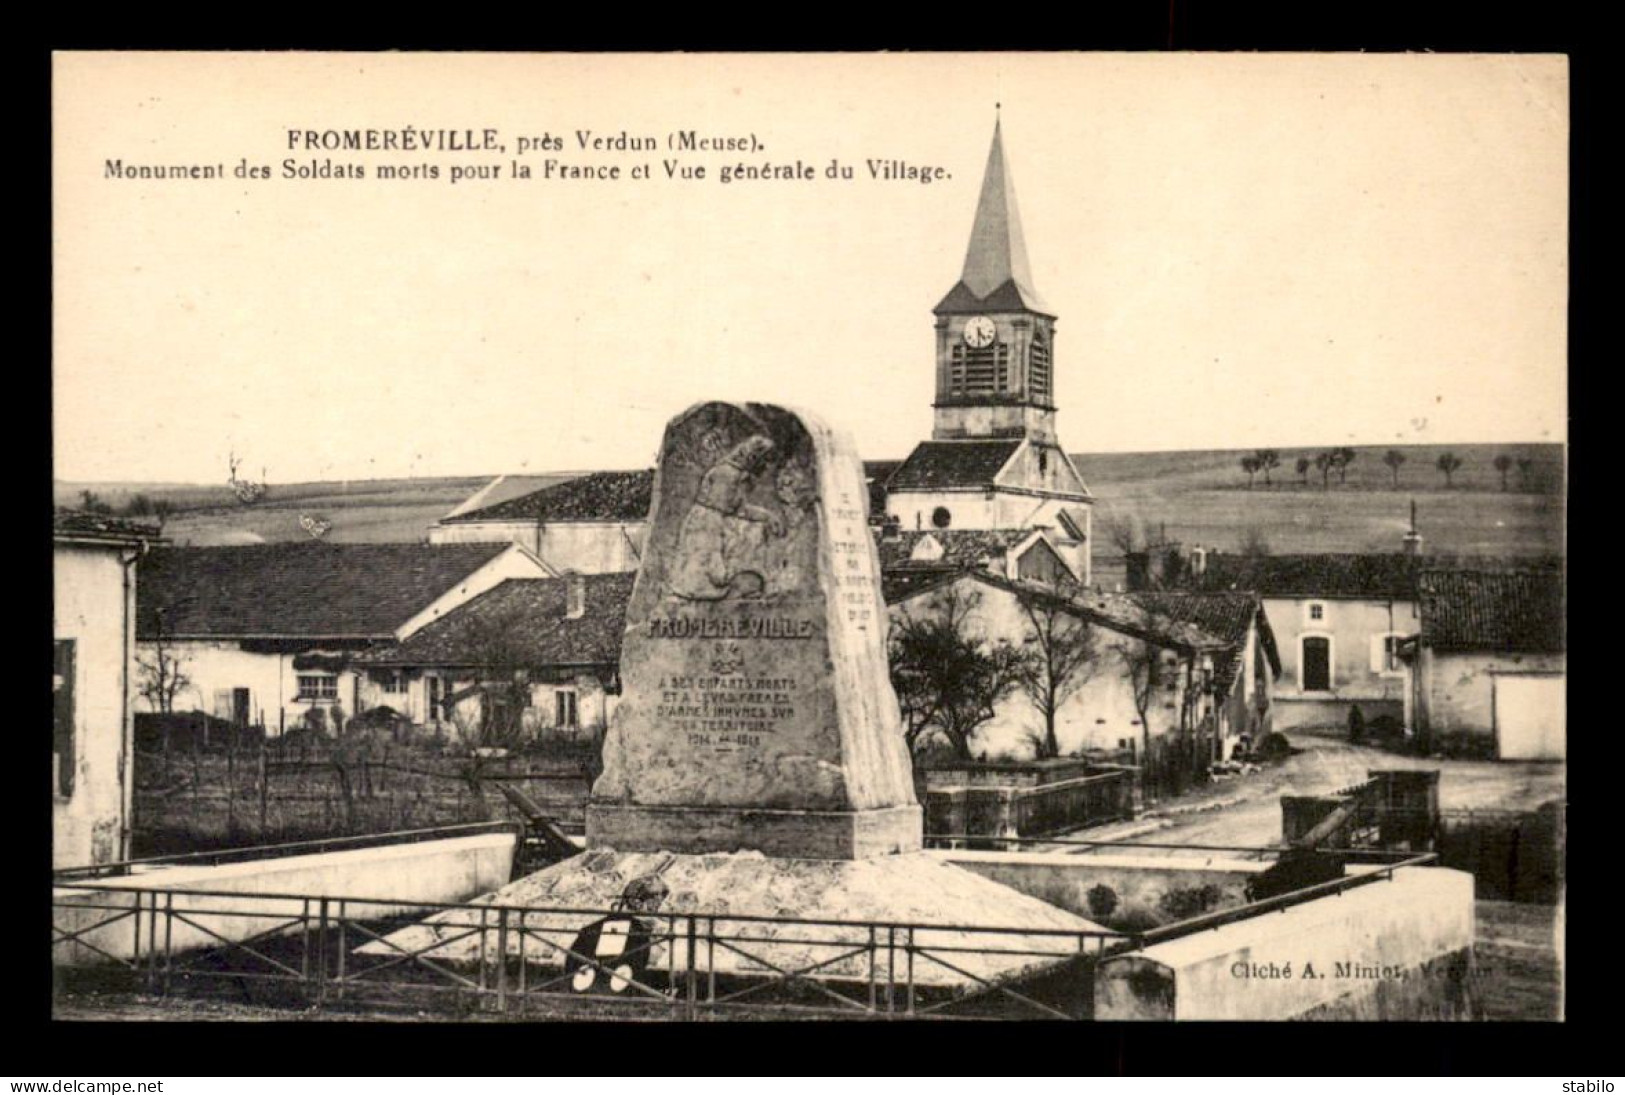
(998,252)
(995,334)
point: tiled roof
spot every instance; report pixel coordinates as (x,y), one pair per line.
(934,465)
(600,496)
(310,589)
(71,524)
(1378,577)
(524,619)
(960,547)
(898,582)
(1510,611)
(1228,616)
(505,487)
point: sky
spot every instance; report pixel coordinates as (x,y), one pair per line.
(1243,250)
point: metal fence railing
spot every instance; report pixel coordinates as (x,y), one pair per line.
(336,951)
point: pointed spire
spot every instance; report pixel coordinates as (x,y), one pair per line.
(998,252)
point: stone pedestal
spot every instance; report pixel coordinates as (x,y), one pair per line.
(801,834)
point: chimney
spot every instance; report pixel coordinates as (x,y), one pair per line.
(1198,560)
(1413,539)
(575,596)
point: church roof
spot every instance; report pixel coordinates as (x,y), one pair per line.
(939,465)
(996,276)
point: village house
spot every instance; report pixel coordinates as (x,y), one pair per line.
(559,638)
(593,524)
(267,634)
(1148,683)
(93,664)
(1491,663)
(1337,619)
(1245,672)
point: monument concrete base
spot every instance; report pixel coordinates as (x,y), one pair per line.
(804,834)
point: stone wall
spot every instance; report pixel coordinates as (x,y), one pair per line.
(1390,949)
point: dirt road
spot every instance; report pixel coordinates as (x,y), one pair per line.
(1246,810)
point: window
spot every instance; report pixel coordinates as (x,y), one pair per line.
(1317,611)
(565,701)
(1038,355)
(62,681)
(940,517)
(979,371)
(318,687)
(391,680)
(1385,654)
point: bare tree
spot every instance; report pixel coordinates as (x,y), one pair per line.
(1503,464)
(1394,458)
(948,681)
(247,491)
(1124,533)
(1324,463)
(1341,459)
(1249,464)
(1448,463)
(161,671)
(1267,459)
(1060,659)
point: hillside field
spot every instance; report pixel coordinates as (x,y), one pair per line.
(1198,497)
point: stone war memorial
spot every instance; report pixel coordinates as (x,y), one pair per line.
(757,711)
(755,766)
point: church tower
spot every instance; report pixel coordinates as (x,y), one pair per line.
(995,335)
(994,461)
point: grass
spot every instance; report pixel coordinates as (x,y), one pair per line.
(1200,497)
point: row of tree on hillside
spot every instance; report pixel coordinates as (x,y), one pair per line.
(1338,460)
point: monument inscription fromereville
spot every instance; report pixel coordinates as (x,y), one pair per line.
(757,709)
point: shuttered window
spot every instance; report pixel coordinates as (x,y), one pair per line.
(62,740)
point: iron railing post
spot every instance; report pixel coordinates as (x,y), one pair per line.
(891,967)
(502,959)
(873,958)
(169,937)
(693,977)
(339,990)
(911,969)
(321,956)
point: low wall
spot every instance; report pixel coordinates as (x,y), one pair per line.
(430,871)
(1122,892)
(1288,714)
(1392,949)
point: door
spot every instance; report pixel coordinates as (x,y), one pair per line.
(1529,717)
(241,715)
(1317,664)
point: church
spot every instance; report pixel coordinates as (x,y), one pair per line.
(994,461)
